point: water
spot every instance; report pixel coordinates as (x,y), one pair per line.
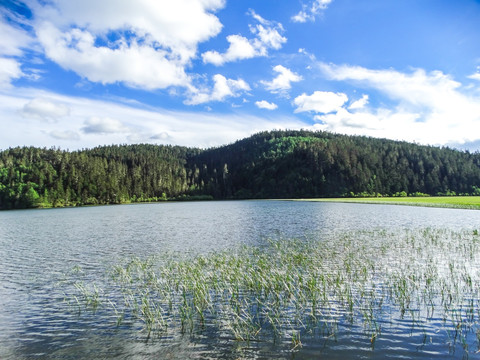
(38,247)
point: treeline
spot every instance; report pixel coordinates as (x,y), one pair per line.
(276,164)
(31,177)
(284,164)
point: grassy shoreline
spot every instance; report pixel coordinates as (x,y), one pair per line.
(455,202)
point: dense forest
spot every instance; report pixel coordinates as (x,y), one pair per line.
(276,164)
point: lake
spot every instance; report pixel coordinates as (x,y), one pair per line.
(39,249)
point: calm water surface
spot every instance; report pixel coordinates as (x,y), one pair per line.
(38,247)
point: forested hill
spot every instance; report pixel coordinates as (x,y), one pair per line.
(277,164)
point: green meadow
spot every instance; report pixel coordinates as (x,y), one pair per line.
(458,202)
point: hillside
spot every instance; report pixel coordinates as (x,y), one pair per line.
(277,164)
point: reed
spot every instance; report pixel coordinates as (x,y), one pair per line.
(288,288)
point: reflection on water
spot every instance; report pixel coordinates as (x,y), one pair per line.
(38,247)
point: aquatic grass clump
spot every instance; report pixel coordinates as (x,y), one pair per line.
(289,289)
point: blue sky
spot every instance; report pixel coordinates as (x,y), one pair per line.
(81,73)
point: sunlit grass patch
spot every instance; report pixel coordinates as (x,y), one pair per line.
(462,202)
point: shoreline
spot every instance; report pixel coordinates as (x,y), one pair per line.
(451,202)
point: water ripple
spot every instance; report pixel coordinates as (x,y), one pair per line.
(39,248)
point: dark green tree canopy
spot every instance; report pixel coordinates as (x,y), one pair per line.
(275,164)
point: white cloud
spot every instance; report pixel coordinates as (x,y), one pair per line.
(105,125)
(240,48)
(311,11)
(266,105)
(33,74)
(428,108)
(178,25)
(161,136)
(137,65)
(267,36)
(283,80)
(13,39)
(155,40)
(475,76)
(45,109)
(434,90)
(222,89)
(381,123)
(320,102)
(360,103)
(260,19)
(140,124)
(392,124)
(64,135)
(301,17)
(9,70)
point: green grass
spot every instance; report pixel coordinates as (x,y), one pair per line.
(459,202)
(288,289)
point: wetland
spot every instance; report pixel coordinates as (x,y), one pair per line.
(240,279)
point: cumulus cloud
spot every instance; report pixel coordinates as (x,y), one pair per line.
(311,11)
(435,90)
(429,108)
(240,48)
(139,66)
(143,44)
(283,81)
(320,102)
(222,89)
(266,105)
(45,109)
(360,103)
(267,36)
(105,125)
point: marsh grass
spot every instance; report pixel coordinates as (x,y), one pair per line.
(287,289)
(456,202)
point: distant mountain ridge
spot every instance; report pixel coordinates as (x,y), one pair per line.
(274,164)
